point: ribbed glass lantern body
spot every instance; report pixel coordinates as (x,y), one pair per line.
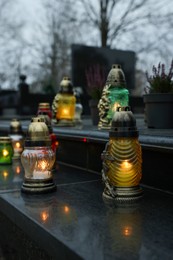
(38,162)
(122,159)
(125,168)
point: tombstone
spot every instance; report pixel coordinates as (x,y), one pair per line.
(23,88)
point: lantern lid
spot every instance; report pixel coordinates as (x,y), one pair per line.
(15,127)
(46,119)
(123,123)
(5,140)
(38,133)
(44,105)
(66,86)
(116,77)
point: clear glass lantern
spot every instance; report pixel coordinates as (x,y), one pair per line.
(122,158)
(78,111)
(17,137)
(38,159)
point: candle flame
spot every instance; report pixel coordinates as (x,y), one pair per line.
(17,145)
(43,165)
(116,104)
(126,165)
(5,153)
(65,111)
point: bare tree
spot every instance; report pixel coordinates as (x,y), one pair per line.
(139,25)
(11,42)
(53,43)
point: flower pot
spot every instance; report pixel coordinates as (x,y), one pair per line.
(159,110)
(93,104)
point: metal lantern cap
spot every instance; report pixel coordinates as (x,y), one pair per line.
(66,86)
(123,123)
(44,105)
(116,76)
(46,119)
(5,140)
(15,127)
(38,133)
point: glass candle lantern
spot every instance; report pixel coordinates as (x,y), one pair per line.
(6,150)
(38,159)
(63,105)
(17,137)
(44,109)
(54,142)
(122,158)
(17,143)
(114,95)
(78,110)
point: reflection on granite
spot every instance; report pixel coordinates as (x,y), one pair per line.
(93,228)
(11,176)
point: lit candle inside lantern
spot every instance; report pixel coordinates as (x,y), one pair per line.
(115,106)
(126,165)
(66,109)
(42,162)
(38,159)
(17,142)
(63,106)
(5,152)
(41,169)
(122,158)
(18,145)
(16,135)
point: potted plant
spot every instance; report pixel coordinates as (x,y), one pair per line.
(158,98)
(96,78)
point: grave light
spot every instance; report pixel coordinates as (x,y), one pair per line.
(114,95)
(38,159)
(63,105)
(17,136)
(122,159)
(6,150)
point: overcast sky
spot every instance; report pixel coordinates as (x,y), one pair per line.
(31,11)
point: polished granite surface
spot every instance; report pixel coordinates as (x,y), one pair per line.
(75,222)
(147,136)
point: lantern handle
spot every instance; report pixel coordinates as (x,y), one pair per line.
(126,108)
